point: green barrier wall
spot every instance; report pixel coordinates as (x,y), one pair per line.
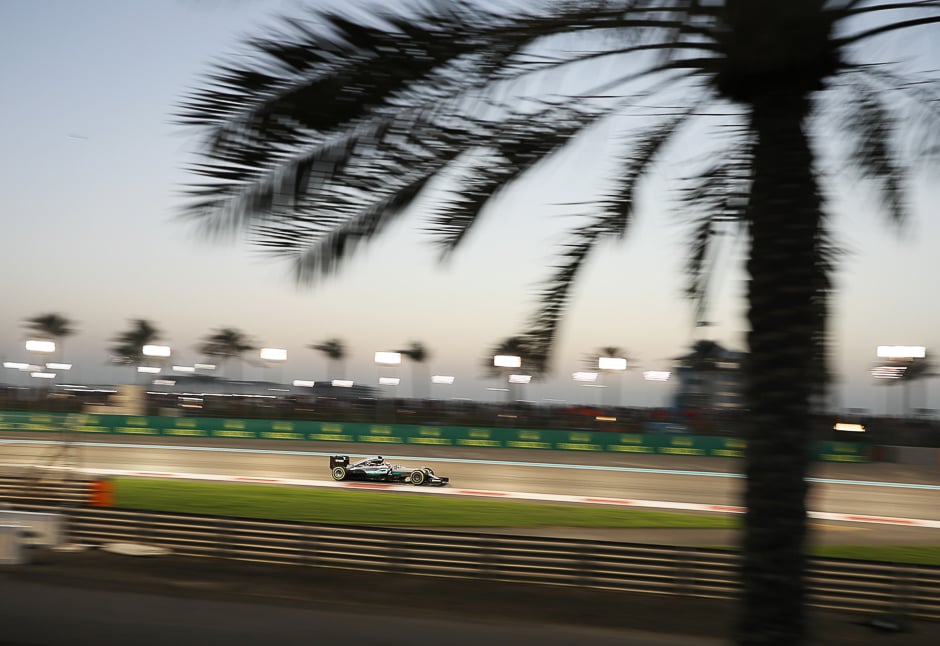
(405,434)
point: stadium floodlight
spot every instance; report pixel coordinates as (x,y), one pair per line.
(657,375)
(442,379)
(59,366)
(388,358)
(888,372)
(156,350)
(520,379)
(584,376)
(39,345)
(851,428)
(303,383)
(389,381)
(150,370)
(611,363)
(507,361)
(42,375)
(273,354)
(164,382)
(902,351)
(204,366)
(184,368)
(342,383)
(16,365)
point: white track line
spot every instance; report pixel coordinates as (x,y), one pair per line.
(510,495)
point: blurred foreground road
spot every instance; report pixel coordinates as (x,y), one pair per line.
(101,599)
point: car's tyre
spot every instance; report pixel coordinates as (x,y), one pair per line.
(416,477)
(338,473)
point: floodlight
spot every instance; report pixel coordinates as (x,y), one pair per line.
(389,381)
(36,345)
(902,351)
(152,370)
(156,350)
(303,383)
(389,358)
(342,383)
(15,365)
(611,363)
(584,376)
(657,375)
(59,366)
(507,361)
(274,354)
(442,379)
(42,375)
(520,379)
(184,368)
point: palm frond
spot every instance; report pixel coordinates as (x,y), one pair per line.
(872,126)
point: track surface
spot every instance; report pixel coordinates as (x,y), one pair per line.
(876,489)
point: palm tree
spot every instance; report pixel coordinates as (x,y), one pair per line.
(226,344)
(335,351)
(418,354)
(52,326)
(127,347)
(334,127)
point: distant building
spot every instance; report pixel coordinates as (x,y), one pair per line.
(710,377)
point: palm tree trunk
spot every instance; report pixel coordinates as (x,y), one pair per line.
(783,268)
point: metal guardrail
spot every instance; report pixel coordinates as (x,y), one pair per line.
(833,583)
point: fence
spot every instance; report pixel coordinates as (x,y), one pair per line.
(384,435)
(833,583)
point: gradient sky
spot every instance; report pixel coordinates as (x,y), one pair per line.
(92,167)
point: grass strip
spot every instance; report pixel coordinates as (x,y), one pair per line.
(911,554)
(344,507)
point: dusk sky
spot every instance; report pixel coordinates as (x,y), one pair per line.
(93,166)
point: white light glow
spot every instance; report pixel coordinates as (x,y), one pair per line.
(851,428)
(584,376)
(184,368)
(611,363)
(15,365)
(274,354)
(902,351)
(507,361)
(59,366)
(42,375)
(303,383)
(164,382)
(888,372)
(342,383)
(520,379)
(389,381)
(388,358)
(204,366)
(156,350)
(150,370)
(442,379)
(657,375)
(35,345)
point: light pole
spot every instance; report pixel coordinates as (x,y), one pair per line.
(903,360)
(41,347)
(613,364)
(445,380)
(507,362)
(389,360)
(275,356)
(657,375)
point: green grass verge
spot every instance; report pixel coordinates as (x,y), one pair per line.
(343,507)
(915,554)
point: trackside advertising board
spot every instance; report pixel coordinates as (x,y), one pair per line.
(378,435)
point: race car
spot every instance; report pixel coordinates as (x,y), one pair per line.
(377,469)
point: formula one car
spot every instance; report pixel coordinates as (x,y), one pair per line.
(377,469)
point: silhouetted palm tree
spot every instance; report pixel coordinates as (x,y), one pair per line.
(227,344)
(53,327)
(336,126)
(335,351)
(418,355)
(127,347)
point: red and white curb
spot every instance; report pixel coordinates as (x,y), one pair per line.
(508,495)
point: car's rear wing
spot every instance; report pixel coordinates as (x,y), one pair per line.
(339,461)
